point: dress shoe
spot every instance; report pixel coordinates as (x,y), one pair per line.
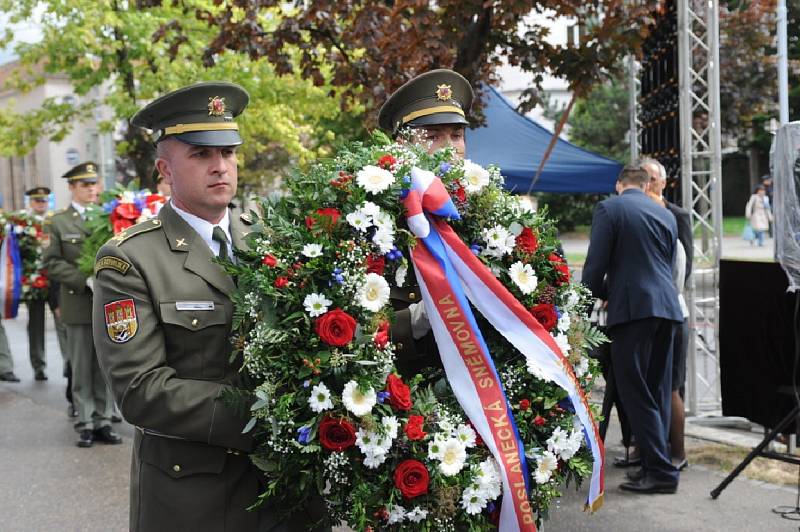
(106,435)
(85,439)
(635,475)
(649,485)
(9,376)
(40,375)
(116,418)
(624,461)
(682,464)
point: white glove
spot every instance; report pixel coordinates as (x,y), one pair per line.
(90,283)
(419,320)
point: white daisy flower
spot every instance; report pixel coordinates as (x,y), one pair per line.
(358,402)
(523,276)
(582,367)
(495,236)
(312,250)
(472,501)
(436,447)
(373,459)
(400,275)
(558,441)
(475,176)
(391,425)
(383,220)
(384,239)
(545,466)
(465,435)
(371,210)
(396,514)
(417,514)
(536,370)
(374,179)
(359,220)
(316,304)
(374,293)
(563,322)
(454,455)
(320,398)
(563,343)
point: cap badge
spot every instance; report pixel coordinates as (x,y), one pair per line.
(90,168)
(216,106)
(444,92)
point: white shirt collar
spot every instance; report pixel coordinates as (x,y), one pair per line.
(205,228)
(80,208)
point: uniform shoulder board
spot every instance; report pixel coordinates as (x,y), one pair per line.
(138,229)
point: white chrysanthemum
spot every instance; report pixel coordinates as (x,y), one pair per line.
(436,447)
(320,398)
(466,435)
(536,370)
(523,276)
(572,299)
(582,367)
(400,275)
(374,458)
(396,514)
(563,343)
(383,220)
(374,293)
(316,304)
(472,501)
(359,220)
(384,239)
(358,402)
(454,455)
(312,250)
(370,209)
(374,179)
(391,425)
(489,479)
(564,322)
(558,441)
(417,514)
(475,176)
(495,236)
(545,466)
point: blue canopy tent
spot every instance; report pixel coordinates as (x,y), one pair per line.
(517,144)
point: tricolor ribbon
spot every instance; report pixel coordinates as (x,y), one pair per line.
(449,276)
(10,274)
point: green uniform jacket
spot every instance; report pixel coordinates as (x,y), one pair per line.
(67,232)
(162,322)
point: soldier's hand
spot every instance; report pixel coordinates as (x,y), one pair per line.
(419,320)
(90,283)
(57,313)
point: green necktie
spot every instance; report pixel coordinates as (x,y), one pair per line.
(219,235)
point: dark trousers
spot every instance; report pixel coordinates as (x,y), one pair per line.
(36,334)
(641,353)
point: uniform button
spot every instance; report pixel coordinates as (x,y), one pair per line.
(176,468)
(399,346)
(73,241)
(412,296)
(194,322)
(72,292)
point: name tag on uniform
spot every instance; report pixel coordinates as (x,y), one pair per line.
(194,305)
(69,236)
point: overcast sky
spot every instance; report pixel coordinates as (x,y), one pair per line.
(23,32)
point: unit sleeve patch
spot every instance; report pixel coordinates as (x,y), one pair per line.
(121,321)
(111,263)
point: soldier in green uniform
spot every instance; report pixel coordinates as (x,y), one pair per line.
(434,106)
(162,320)
(67,231)
(37,208)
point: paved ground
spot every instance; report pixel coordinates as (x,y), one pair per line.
(47,483)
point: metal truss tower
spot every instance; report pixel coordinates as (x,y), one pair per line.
(701,188)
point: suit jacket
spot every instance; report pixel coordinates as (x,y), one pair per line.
(67,232)
(162,322)
(629,263)
(684,220)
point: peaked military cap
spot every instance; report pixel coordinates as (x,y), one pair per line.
(436,97)
(83,172)
(38,192)
(201,114)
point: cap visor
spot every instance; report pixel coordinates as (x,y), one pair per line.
(210,138)
(438,119)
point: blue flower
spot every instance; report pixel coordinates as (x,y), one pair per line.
(444,167)
(337,276)
(558,311)
(476,249)
(383,396)
(304,434)
(140,203)
(110,206)
(306,383)
(404,193)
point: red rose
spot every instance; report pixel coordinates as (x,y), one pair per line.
(336,327)
(128,210)
(40,282)
(386,161)
(527,241)
(269,260)
(399,392)
(281,282)
(376,264)
(461,194)
(413,428)
(381,337)
(411,478)
(546,315)
(561,268)
(326,218)
(524,404)
(538,421)
(336,434)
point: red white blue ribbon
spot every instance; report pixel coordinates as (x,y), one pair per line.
(449,275)
(10,274)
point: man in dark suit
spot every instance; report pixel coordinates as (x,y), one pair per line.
(629,264)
